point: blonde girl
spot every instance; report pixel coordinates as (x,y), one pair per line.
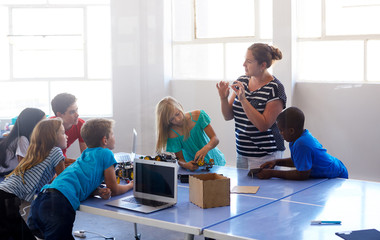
(42,161)
(188,134)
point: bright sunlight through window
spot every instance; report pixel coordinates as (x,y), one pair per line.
(52,48)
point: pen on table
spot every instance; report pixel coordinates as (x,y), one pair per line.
(318,222)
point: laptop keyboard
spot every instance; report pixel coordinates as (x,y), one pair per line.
(122,157)
(142,201)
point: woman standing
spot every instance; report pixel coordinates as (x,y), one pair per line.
(257,99)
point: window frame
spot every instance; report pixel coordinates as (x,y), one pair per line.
(324,37)
(51,80)
(219,40)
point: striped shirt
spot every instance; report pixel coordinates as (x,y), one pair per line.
(250,142)
(35,178)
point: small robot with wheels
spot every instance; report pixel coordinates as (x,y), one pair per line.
(124,171)
(203,163)
(162,157)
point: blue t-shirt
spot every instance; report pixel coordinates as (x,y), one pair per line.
(83,176)
(196,141)
(307,153)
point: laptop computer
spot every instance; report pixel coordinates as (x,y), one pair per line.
(154,187)
(127,157)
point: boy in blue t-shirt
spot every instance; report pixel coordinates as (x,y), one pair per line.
(53,211)
(307,155)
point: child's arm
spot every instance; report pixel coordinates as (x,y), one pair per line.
(214,141)
(111,183)
(69,161)
(60,167)
(82,146)
(285,174)
(103,192)
(286,162)
(192,165)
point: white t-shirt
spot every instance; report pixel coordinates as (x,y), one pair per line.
(12,161)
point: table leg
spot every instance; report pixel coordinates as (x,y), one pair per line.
(189,236)
(137,235)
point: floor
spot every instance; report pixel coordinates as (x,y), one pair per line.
(121,230)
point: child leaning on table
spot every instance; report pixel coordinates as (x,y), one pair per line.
(43,159)
(307,154)
(188,134)
(53,212)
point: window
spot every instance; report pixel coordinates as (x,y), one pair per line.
(54,46)
(338,40)
(224,18)
(210,37)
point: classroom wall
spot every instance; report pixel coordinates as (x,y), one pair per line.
(342,116)
(140,79)
(345,118)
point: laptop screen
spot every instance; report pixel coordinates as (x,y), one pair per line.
(154,179)
(134,139)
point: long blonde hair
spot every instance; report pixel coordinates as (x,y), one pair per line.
(165,110)
(44,137)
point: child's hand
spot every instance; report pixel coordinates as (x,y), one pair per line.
(252,172)
(264,174)
(269,164)
(192,165)
(104,193)
(200,155)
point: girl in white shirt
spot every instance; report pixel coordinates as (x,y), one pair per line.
(14,146)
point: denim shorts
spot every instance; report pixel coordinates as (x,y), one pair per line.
(52,215)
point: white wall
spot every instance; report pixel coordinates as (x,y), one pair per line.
(139,40)
(345,119)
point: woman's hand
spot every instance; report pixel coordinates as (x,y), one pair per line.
(239,90)
(223,89)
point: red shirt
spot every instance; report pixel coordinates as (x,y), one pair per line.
(73,134)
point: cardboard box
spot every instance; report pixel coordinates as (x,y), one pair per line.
(209,190)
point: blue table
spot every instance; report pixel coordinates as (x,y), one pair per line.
(192,220)
(273,188)
(183,217)
(355,203)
